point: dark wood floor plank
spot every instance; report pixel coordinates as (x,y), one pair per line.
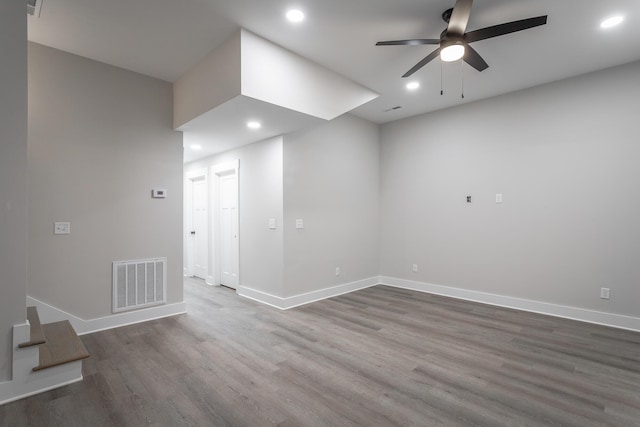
(380,356)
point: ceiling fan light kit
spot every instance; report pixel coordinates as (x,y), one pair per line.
(452,51)
(454,41)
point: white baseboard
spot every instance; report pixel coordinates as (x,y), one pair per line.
(49,313)
(574,313)
(306,298)
(11,391)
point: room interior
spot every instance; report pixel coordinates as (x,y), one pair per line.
(513,187)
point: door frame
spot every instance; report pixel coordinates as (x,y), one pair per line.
(188,243)
(233,168)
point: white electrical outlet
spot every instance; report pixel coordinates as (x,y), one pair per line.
(498,198)
(337,271)
(61,228)
(414,268)
(272,223)
(299,223)
(605,293)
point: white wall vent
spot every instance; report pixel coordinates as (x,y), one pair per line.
(139,283)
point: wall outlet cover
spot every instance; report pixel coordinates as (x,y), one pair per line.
(61,228)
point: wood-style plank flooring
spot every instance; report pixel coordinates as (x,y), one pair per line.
(377,357)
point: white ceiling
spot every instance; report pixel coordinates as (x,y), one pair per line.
(165,38)
(224,128)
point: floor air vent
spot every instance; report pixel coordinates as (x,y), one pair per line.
(138,284)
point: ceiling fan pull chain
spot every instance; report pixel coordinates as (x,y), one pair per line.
(462,70)
(441,90)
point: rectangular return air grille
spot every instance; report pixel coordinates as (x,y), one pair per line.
(138,284)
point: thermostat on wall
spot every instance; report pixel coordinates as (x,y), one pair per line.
(159,194)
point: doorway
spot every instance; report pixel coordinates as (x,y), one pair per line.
(225,219)
(197,225)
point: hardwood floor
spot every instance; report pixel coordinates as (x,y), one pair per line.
(377,357)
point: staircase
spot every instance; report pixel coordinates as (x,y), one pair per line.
(45,357)
(57,342)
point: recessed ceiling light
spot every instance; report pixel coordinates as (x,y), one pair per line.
(196,147)
(295,15)
(254,125)
(413,85)
(612,22)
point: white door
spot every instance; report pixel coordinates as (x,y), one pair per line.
(199,230)
(228,230)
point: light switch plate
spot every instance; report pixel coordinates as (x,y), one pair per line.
(272,223)
(61,228)
(498,198)
(299,223)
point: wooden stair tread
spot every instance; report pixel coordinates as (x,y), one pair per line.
(63,345)
(36,334)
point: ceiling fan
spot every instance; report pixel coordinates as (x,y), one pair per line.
(454,42)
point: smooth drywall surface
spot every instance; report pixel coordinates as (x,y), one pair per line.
(13,175)
(260,187)
(100,139)
(564,156)
(275,75)
(214,81)
(331,181)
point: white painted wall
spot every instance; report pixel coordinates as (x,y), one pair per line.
(564,156)
(13,175)
(331,180)
(261,198)
(214,81)
(100,139)
(275,75)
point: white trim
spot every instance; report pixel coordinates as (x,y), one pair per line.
(618,321)
(574,313)
(198,173)
(38,391)
(306,298)
(49,313)
(225,167)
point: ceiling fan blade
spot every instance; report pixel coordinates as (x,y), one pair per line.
(433,55)
(459,18)
(474,59)
(413,42)
(502,29)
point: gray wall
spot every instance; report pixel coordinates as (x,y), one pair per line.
(260,185)
(100,138)
(13,175)
(331,180)
(565,157)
